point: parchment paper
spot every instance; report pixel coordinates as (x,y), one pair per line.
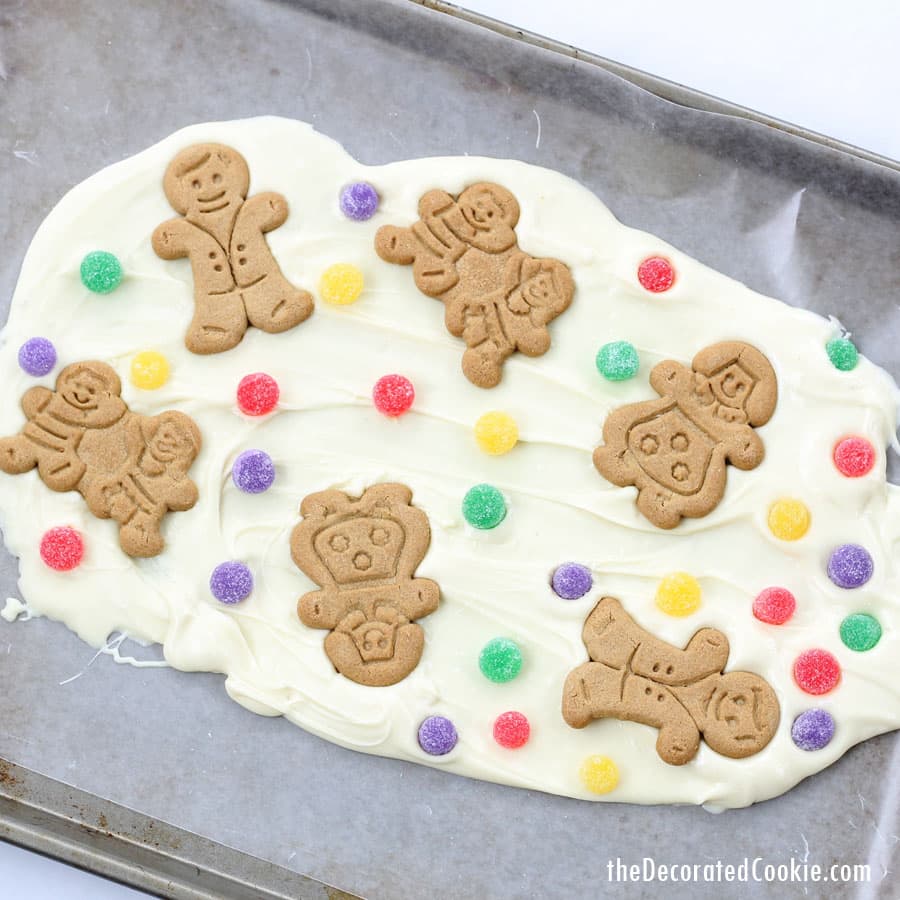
(83,85)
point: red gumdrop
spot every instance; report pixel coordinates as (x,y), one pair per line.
(62,548)
(774,605)
(393,395)
(817,671)
(656,274)
(511,730)
(257,394)
(854,457)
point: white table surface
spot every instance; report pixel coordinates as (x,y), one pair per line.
(829,66)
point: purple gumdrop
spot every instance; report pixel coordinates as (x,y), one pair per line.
(437,735)
(359,201)
(37,356)
(850,566)
(231,582)
(813,729)
(253,471)
(572,580)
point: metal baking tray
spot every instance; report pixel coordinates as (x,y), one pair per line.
(154,776)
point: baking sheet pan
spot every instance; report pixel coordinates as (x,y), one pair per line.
(84,85)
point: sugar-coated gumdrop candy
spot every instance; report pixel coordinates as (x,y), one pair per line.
(854,457)
(496,433)
(484,507)
(62,548)
(341,284)
(101,272)
(257,394)
(37,356)
(231,582)
(788,519)
(149,370)
(774,605)
(500,660)
(253,471)
(359,201)
(393,395)
(656,274)
(817,671)
(437,735)
(599,774)
(617,361)
(842,353)
(571,580)
(860,632)
(511,730)
(813,729)
(850,566)
(678,594)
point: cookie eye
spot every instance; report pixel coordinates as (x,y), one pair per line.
(362,561)
(739,701)
(217,178)
(195,184)
(339,543)
(679,442)
(378,536)
(649,445)
(680,472)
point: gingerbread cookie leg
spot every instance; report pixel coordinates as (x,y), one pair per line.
(219,323)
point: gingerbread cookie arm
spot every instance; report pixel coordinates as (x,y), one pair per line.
(35,399)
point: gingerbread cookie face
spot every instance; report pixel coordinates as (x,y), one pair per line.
(498,299)
(675,450)
(237,281)
(130,468)
(636,677)
(363,553)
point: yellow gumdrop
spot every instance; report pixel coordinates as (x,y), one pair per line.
(678,594)
(788,519)
(599,774)
(149,370)
(341,284)
(496,433)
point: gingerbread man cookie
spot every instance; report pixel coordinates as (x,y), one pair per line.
(464,251)
(363,553)
(637,677)
(82,436)
(675,449)
(222,231)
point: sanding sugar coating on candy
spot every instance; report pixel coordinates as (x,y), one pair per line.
(817,671)
(149,370)
(789,519)
(341,284)
(359,201)
(617,361)
(257,394)
(813,729)
(843,354)
(512,730)
(599,774)
(850,566)
(656,274)
(101,272)
(393,395)
(253,471)
(437,735)
(62,548)
(854,457)
(500,660)
(678,594)
(496,433)
(37,356)
(774,605)
(860,632)
(571,580)
(231,582)
(483,507)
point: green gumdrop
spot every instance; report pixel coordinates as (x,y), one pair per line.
(101,272)
(842,353)
(617,361)
(500,660)
(483,506)
(860,631)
